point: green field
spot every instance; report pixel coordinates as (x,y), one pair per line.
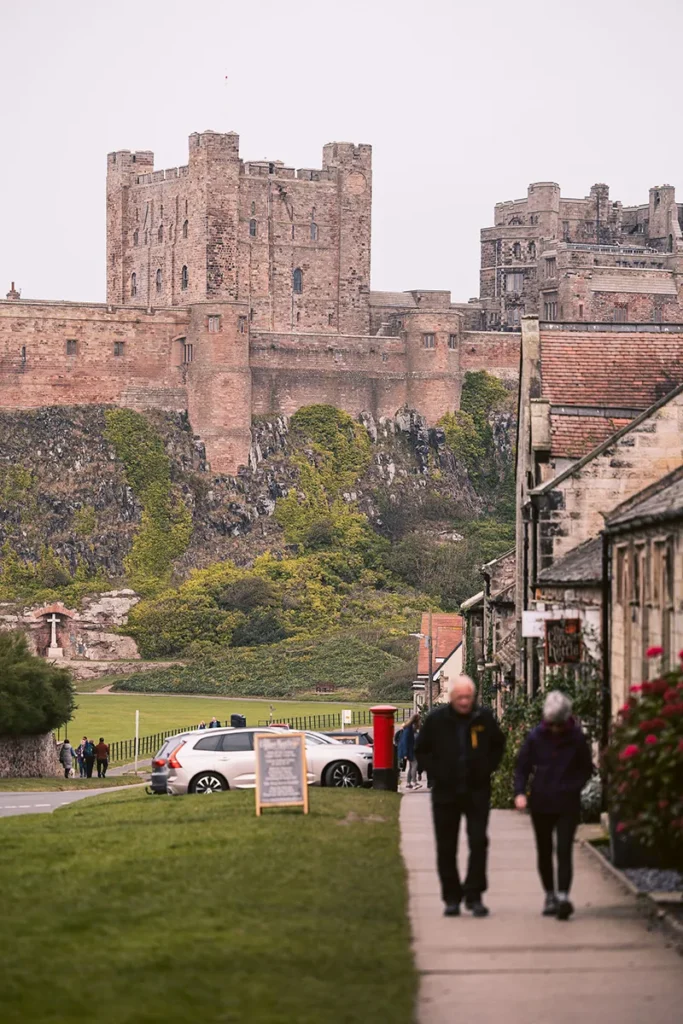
(62,784)
(141,910)
(112,715)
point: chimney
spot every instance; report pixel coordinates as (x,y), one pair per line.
(13,293)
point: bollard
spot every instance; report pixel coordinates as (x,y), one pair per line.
(384,773)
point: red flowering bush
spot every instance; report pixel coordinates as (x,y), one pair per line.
(645,764)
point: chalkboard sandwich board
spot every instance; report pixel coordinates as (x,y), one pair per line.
(281,779)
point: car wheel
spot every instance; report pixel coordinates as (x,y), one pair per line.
(207,783)
(343,774)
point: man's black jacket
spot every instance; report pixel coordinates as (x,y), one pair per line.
(437,750)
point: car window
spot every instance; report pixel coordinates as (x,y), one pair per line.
(208,743)
(237,741)
(169,744)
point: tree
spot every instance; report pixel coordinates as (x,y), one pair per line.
(35,696)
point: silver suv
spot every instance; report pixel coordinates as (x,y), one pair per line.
(212,760)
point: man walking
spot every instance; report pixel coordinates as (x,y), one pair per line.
(89,758)
(460,745)
(102,755)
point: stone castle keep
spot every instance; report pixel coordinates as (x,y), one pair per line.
(239,289)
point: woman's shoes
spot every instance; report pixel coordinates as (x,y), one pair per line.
(564,910)
(550,905)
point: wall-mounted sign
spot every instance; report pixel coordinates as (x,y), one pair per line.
(281,770)
(563,641)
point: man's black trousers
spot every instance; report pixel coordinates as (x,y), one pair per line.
(474,807)
(564,826)
(102,765)
(89,764)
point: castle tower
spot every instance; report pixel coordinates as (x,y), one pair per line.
(543,205)
(664,230)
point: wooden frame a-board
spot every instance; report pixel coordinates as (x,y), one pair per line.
(285,754)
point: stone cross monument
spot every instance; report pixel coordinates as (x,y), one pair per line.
(54,650)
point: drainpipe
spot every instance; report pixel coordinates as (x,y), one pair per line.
(535,677)
(606,616)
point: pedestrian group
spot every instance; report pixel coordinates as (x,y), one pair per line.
(459,746)
(86,754)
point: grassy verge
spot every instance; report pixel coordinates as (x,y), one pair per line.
(112,715)
(66,785)
(186,909)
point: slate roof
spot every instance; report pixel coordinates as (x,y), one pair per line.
(581,566)
(447,636)
(660,501)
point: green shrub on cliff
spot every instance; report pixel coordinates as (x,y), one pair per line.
(166,526)
(34,695)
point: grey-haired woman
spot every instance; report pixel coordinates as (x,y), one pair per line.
(556,757)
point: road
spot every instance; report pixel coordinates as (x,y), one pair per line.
(44,803)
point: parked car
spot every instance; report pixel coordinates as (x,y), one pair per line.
(209,762)
(352,736)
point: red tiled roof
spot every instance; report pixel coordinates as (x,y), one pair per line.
(630,370)
(446,634)
(575,436)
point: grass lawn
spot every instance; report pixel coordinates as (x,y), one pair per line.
(149,909)
(112,715)
(62,784)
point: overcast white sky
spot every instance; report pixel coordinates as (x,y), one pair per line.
(464,102)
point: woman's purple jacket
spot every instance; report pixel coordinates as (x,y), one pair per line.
(559,765)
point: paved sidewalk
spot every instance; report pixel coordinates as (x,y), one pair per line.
(517,967)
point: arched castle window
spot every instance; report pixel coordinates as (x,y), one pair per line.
(252,229)
(133,285)
(517,251)
(136,237)
(160,233)
(185,229)
(298,281)
(184,278)
(159,280)
(314,232)
(532,250)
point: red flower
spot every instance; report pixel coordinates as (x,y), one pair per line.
(630,751)
(671,694)
(671,710)
(647,687)
(650,739)
(652,723)
(654,652)
(660,686)
(626,710)
(636,688)
(621,827)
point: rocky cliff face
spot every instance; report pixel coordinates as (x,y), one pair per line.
(62,487)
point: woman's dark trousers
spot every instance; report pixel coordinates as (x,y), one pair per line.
(564,826)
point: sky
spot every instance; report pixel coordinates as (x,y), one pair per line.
(464,103)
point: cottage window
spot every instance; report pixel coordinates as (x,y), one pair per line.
(452,341)
(252,229)
(133,285)
(184,279)
(71,347)
(428,340)
(622,555)
(118,348)
(159,281)
(185,226)
(298,281)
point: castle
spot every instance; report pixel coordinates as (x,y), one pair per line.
(238,289)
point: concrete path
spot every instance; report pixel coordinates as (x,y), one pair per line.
(46,802)
(517,967)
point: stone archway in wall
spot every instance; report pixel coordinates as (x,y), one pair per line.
(55,637)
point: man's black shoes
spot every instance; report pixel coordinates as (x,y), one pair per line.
(476,907)
(550,906)
(452,910)
(564,910)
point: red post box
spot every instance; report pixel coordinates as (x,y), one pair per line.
(384,772)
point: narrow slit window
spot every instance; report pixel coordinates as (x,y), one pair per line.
(133,285)
(452,341)
(160,233)
(185,226)
(314,232)
(252,229)
(242,324)
(298,281)
(253,209)
(159,281)
(184,279)
(136,237)
(188,352)
(118,348)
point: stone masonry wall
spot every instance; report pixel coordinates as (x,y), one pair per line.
(29,757)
